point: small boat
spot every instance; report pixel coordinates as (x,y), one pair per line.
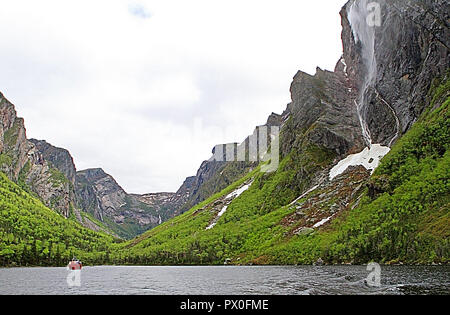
(75,264)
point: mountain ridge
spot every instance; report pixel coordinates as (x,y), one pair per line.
(385,82)
(390,90)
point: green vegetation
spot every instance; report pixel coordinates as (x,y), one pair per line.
(125,230)
(32,234)
(11,135)
(403,216)
(21,181)
(251,222)
(57,178)
(5,159)
(87,216)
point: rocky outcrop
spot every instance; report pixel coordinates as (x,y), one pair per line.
(164,204)
(215,174)
(322,112)
(401,57)
(50,173)
(24,163)
(99,194)
(58,157)
(326,201)
(406,51)
(378,87)
(14,146)
(375,93)
(125,214)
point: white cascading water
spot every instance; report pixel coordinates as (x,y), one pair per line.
(365,34)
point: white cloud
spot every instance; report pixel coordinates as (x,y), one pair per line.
(121,84)
(139,10)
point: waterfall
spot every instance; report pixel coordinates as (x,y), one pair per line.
(365,34)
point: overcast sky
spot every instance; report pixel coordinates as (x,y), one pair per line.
(145,89)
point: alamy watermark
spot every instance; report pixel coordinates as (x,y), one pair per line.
(74,278)
(262,146)
(374,277)
(374,14)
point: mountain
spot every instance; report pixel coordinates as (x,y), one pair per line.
(326,104)
(22,161)
(58,157)
(31,234)
(91,197)
(125,214)
(361,156)
(364,160)
(216,173)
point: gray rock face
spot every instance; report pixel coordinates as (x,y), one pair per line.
(23,163)
(213,175)
(14,146)
(322,112)
(382,78)
(99,194)
(410,49)
(125,214)
(165,204)
(49,173)
(387,68)
(58,157)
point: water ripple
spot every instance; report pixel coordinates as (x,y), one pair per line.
(228,280)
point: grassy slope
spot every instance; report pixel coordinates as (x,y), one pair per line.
(32,234)
(406,220)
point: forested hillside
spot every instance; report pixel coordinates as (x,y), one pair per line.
(33,235)
(400,214)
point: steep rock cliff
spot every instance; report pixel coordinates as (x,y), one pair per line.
(389,89)
(127,215)
(24,163)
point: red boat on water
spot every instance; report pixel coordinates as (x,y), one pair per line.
(75,264)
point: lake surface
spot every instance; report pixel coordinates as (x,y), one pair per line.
(227,280)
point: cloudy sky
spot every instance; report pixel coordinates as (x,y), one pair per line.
(145,89)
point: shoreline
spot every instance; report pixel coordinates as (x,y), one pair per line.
(229,266)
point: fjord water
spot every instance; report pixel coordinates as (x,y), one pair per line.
(227,280)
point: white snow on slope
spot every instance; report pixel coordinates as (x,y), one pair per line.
(322,222)
(234,194)
(369,158)
(304,194)
(217,218)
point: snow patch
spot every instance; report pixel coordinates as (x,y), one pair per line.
(322,222)
(238,192)
(228,198)
(369,158)
(304,194)
(221,212)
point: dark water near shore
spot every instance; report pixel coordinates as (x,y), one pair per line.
(227,280)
